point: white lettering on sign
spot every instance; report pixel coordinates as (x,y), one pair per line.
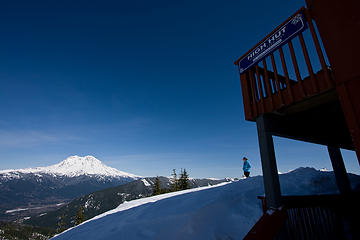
(284,34)
(267,43)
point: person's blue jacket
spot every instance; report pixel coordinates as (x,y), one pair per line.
(246,166)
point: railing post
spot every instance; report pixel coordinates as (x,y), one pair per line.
(286,74)
(246,96)
(273,63)
(308,64)
(296,68)
(318,48)
(268,85)
(268,162)
(254,93)
(262,95)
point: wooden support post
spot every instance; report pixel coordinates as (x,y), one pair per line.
(268,162)
(351,207)
(341,176)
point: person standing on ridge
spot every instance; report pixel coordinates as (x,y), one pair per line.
(246,167)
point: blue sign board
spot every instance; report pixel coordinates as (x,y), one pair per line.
(288,31)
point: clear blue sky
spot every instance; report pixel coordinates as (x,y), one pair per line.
(145,86)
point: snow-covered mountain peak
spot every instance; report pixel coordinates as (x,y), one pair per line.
(74,166)
(87,165)
(80,162)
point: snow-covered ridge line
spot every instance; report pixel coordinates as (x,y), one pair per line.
(135,203)
(74,166)
(138,202)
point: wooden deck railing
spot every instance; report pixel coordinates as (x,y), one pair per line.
(312,217)
(267,91)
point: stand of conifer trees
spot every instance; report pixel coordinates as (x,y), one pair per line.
(177,184)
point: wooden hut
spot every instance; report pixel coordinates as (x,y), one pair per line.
(318,103)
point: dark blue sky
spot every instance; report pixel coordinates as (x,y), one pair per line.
(145,86)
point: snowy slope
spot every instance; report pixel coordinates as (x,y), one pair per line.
(226,211)
(102,201)
(73,166)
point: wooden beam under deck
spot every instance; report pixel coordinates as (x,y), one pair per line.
(324,125)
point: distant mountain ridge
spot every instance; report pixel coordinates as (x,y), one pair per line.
(28,191)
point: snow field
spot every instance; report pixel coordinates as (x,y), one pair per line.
(223,212)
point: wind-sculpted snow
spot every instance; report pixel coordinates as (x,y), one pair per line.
(226,211)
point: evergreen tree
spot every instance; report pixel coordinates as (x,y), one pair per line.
(80,217)
(184,180)
(174,182)
(156,189)
(61,224)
